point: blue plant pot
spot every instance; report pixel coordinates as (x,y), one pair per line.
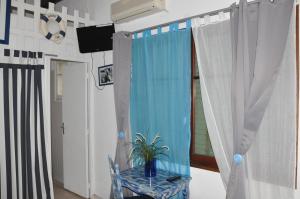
(150,168)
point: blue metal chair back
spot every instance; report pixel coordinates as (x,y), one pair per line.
(116,181)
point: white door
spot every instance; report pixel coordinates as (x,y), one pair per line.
(75,142)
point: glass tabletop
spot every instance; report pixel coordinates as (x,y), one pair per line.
(157,187)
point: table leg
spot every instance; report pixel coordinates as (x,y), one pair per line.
(186,191)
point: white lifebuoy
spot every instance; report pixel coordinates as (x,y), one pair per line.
(58,36)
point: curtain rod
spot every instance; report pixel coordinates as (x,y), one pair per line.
(211,13)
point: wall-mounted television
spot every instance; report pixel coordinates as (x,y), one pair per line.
(95,38)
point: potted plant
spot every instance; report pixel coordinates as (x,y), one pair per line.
(144,153)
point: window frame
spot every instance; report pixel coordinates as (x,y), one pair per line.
(197,160)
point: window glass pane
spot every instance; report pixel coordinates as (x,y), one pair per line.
(58,81)
(202,141)
(59,87)
(60,69)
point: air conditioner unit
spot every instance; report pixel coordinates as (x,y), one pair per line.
(127,10)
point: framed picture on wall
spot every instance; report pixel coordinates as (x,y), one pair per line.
(105,75)
(5,6)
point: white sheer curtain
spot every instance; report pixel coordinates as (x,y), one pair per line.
(213,47)
(270,162)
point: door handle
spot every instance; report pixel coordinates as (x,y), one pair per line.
(63,128)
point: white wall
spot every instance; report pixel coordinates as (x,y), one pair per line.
(25,35)
(205,184)
(105,135)
(176,9)
(83,6)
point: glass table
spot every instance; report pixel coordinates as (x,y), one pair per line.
(157,187)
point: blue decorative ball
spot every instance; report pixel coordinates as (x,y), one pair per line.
(121,135)
(238,159)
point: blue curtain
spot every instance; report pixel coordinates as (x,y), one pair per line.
(161,93)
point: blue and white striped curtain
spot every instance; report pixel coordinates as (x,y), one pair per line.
(23,153)
(161,92)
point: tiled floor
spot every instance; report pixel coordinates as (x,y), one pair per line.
(60,193)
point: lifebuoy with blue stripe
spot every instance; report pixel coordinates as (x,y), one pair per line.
(58,36)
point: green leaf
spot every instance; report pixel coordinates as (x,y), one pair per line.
(142,152)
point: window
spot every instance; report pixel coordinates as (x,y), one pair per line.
(59,81)
(201,153)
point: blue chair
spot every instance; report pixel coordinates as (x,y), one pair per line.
(116,183)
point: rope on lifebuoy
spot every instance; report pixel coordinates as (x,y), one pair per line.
(58,36)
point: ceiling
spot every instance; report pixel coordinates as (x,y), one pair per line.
(44,3)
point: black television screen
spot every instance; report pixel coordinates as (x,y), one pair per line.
(95,38)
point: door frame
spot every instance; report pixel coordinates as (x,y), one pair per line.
(89,94)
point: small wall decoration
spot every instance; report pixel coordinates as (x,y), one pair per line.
(105,75)
(5,6)
(55,37)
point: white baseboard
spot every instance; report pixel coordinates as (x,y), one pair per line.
(95,197)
